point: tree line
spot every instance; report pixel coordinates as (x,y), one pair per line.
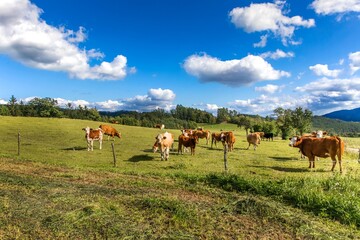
(283,122)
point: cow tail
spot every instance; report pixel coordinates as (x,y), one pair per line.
(341,146)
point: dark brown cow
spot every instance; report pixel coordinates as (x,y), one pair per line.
(313,147)
(187,141)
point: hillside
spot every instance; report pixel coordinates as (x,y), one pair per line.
(352,115)
(56,189)
(336,126)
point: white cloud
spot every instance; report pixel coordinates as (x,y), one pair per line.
(2,101)
(263,41)
(323,70)
(109,105)
(269,88)
(277,54)
(27,38)
(235,72)
(269,17)
(327,7)
(354,61)
(332,94)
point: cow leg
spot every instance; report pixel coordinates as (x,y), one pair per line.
(88,145)
(248,147)
(100,142)
(311,161)
(167,153)
(92,145)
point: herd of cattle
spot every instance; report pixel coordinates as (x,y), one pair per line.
(316,144)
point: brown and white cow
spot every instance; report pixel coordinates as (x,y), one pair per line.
(202,134)
(160,126)
(313,147)
(254,139)
(187,141)
(110,131)
(92,135)
(229,139)
(164,142)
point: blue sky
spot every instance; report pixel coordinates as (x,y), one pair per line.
(250,56)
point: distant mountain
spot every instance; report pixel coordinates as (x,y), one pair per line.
(345,115)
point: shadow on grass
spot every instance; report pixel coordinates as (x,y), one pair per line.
(283,158)
(77,148)
(287,169)
(140,158)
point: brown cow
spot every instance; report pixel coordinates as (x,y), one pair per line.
(261,134)
(164,142)
(202,134)
(253,138)
(229,138)
(215,137)
(91,135)
(110,131)
(320,147)
(187,141)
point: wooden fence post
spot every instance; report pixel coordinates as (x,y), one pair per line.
(225,156)
(18,143)
(114,156)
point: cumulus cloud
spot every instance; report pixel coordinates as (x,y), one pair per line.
(323,70)
(277,54)
(327,7)
(354,61)
(332,94)
(2,101)
(269,88)
(269,17)
(235,72)
(27,38)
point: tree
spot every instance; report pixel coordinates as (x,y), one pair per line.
(301,120)
(283,121)
(223,115)
(45,107)
(13,106)
(243,121)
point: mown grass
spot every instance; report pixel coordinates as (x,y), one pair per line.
(57,189)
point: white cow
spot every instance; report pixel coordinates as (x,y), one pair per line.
(164,142)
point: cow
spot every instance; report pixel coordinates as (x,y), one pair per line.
(91,135)
(313,147)
(160,126)
(261,134)
(110,131)
(253,138)
(269,136)
(215,137)
(202,134)
(163,142)
(187,141)
(229,139)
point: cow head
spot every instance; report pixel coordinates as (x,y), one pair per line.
(118,134)
(294,141)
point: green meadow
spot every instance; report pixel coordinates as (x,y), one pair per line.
(53,188)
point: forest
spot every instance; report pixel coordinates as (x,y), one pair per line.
(283,122)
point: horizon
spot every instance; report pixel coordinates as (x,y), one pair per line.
(141,56)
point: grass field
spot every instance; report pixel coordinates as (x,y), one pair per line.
(56,189)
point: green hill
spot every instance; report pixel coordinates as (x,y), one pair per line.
(56,189)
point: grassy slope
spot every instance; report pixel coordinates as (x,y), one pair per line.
(56,189)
